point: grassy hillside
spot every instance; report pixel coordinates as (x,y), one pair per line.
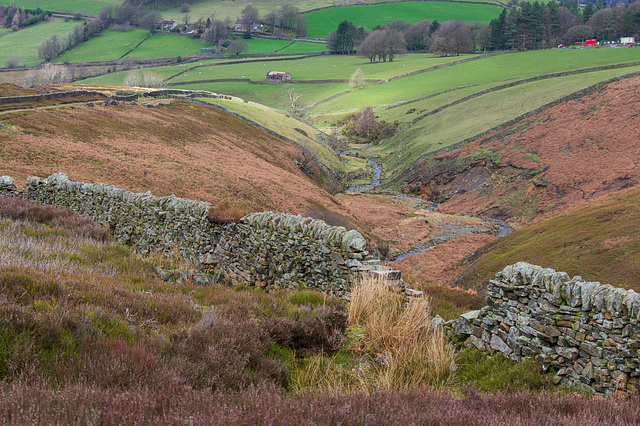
(167,45)
(188,150)
(600,243)
(472,117)
(549,163)
(322,22)
(23,44)
(89,7)
(108,46)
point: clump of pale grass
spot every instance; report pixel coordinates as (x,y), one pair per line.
(414,354)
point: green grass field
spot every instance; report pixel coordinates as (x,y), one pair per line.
(4,31)
(305,47)
(484,71)
(161,45)
(89,7)
(285,125)
(108,46)
(264,45)
(223,8)
(268,94)
(23,44)
(320,67)
(324,21)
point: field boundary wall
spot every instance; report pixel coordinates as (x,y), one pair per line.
(269,249)
(586,332)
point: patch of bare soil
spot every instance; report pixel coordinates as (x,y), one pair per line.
(552,163)
(403,225)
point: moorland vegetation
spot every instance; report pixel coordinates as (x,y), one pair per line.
(473,106)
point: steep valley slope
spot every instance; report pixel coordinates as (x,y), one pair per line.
(184,149)
(545,165)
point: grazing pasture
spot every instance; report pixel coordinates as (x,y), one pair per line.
(108,46)
(322,22)
(161,45)
(23,44)
(88,7)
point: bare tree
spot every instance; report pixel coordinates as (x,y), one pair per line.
(292,98)
(382,45)
(457,35)
(184,8)
(366,122)
(417,35)
(49,74)
(49,49)
(439,46)
(216,33)
(105,16)
(578,33)
(143,79)
(237,47)
(250,16)
(151,21)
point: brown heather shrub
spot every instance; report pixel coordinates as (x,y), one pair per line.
(225,354)
(226,213)
(31,401)
(323,333)
(19,209)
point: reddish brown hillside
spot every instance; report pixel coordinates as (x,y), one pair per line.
(183,149)
(547,164)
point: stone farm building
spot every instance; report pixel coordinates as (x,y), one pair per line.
(278,76)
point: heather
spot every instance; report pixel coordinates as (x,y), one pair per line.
(90,335)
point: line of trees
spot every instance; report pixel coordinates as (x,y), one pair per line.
(384,43)
(534,25)
(15,18)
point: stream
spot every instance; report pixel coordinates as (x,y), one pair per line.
(503,228)
(375,179)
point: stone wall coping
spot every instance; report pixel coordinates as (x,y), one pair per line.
(574,292)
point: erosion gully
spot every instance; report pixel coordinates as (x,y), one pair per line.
(503,228)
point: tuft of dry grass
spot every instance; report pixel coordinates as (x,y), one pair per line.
(226,213)
(412,354)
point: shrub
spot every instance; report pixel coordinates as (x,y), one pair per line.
(225,213)
(19,209)
(144,79)
(323,333)
(226,353)
(49,74)
(12,62)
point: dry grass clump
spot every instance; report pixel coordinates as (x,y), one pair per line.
(410,352)
(226,213)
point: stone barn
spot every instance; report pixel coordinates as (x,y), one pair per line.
(278,76)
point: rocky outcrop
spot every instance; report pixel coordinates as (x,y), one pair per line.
(270,249)
(586,332)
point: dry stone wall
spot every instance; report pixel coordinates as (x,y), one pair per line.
(585,331)
(273,250)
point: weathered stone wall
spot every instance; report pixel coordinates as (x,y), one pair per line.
(268,249)
(586,331)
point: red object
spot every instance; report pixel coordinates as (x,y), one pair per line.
(591,42)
